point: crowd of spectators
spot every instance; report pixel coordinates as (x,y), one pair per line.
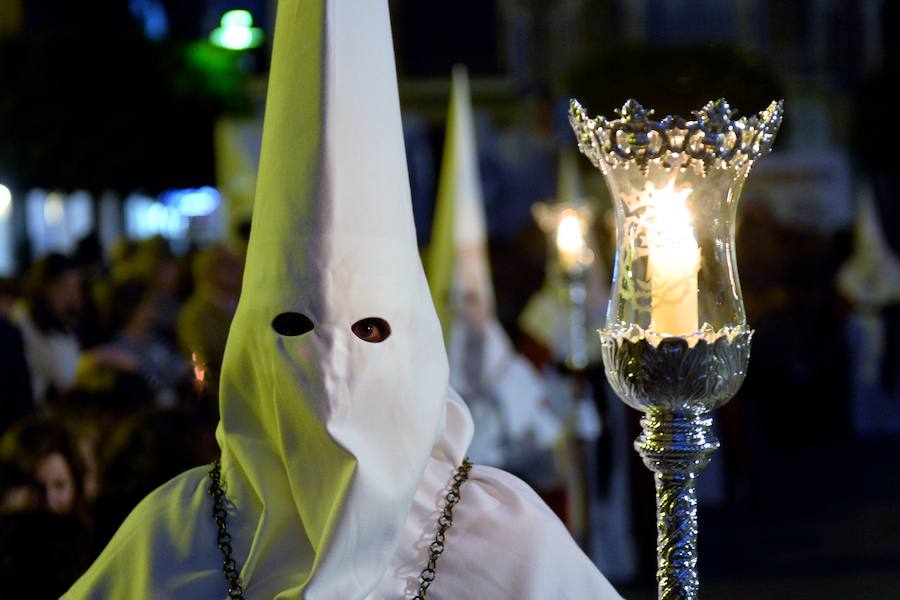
(108,375)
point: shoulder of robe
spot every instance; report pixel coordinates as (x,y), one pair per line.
(513,545)
(166,548)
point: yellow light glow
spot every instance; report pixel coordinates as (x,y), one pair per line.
(569,236)
(570,239)
(54,211)
(5,201)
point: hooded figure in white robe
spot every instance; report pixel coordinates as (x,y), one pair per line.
(514,427)
(545,317)
(870,280)
(339,432)
(604,519)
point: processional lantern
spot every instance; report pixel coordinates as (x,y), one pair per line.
(676,341)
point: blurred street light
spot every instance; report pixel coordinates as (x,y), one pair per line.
(5,201)
(237,32)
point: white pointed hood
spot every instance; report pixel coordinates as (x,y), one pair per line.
(568,180)
(871,276)
(458,268)
(325,436)
(501,388)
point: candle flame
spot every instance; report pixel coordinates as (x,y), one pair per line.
(570,242)
(569,236)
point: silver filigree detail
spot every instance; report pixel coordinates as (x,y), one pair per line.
(713,140)
(684,374)
(676,450)
(676,381)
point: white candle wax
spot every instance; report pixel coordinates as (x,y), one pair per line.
(672,264)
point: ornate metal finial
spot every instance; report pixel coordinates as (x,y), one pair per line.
(714,140)
(716,114)
(632,111)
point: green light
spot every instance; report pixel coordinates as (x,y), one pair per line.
(237,31)
(237,18)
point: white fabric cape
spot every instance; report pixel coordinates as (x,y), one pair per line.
(505,544)
(336,451)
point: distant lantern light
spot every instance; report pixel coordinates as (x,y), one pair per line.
(5,201)
(236,31)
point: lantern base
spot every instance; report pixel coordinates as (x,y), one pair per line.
(676,382)
(676,448)
(687,375)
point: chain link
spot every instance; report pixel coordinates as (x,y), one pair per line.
(445,521)
(229,565)
(435,549)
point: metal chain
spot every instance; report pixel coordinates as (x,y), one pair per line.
(435,549)
(445,521)
(229,566)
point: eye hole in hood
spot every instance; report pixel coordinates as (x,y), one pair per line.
(292,324)
(371,329)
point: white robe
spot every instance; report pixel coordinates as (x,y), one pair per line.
(52,357)
(505,543)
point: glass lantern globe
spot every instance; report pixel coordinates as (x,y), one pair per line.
(675,185)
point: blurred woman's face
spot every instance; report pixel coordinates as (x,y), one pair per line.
(143,317)
(54,474)
(65,296)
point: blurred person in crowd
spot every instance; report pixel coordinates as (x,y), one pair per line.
(40,446)
(154,262)
(89,256)
(42,554)
(47,316)
(52,303)
(130,308)
(18,491)
(95,411)
(122,251)
(204,320)
(143,453)
(89,259)
(17,399)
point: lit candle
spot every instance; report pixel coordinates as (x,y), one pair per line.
(672,264)
(570,240)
